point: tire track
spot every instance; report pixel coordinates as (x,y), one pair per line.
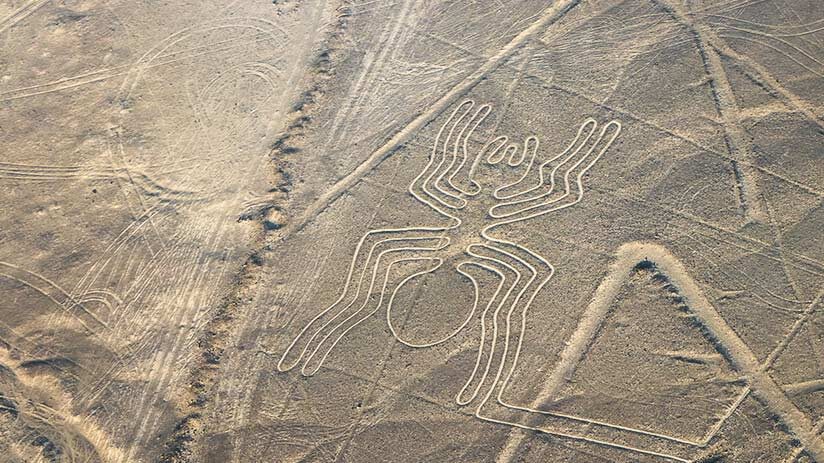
(218,331)
(21,13)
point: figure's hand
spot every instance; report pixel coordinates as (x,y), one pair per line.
(550,184)
(437,184)
(500,163)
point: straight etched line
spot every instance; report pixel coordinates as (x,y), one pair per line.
(739,148)
(549,16)
(738,353)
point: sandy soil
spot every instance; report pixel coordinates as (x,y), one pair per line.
(413,231)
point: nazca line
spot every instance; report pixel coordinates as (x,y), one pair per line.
(424,193)
(431,187)
(527,205)
(735,350)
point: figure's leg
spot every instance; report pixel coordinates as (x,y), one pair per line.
(354,286)
(540,271)
(533,417)
(531,271)
(508,279)
(520,277)
(329,335)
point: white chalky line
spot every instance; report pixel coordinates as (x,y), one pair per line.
(541,181)
(479,357)
(567,191)
(457,330)
(497,383)
(478,117)
(455,222)
(518,277)
(430,188)
(442,243)
(351,316)
(464,108)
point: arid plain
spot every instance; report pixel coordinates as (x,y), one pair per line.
(412,231)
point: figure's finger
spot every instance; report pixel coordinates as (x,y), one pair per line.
(499,155)
(525,164)
(609,133)
(460,149)
(528,152)
(492,154)
(487,151)
(524,197)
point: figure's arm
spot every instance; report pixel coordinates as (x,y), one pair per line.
(562,186)
(460,156)
(428,187)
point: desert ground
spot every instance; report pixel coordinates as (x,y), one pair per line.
(412,231)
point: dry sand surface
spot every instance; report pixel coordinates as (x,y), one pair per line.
(412,231)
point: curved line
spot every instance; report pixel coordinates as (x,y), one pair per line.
(448,336)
